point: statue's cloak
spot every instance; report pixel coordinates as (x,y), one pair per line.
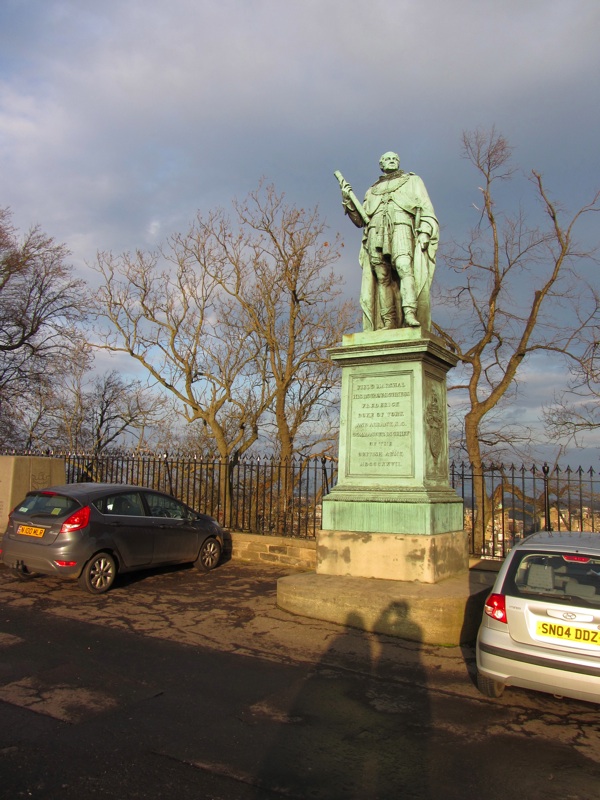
(410,196)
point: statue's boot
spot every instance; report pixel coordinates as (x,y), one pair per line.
(408,294)
(410,318)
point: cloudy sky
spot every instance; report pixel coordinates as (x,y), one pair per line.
(120,119)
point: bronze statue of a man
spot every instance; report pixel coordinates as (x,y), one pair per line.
(398,248)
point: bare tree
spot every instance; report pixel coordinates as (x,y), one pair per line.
(575,411)
(106,411)
(82,412)
(280,285)
(233,318)
(38,420)
(517,292)
(41,307)
(167,314)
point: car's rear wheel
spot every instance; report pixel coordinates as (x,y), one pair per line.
(488,686)
(209,555)
(98,574)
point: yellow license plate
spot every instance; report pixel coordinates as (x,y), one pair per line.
(568,633)
(28,530)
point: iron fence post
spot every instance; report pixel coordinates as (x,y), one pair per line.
(545,471)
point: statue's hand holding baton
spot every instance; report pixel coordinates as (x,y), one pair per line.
(348,195)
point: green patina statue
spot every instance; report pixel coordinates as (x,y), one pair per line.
(398,248)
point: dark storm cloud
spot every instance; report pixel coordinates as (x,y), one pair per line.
(120,119)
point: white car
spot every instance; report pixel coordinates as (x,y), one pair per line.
(541,623)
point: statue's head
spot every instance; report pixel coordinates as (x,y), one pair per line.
(389,162)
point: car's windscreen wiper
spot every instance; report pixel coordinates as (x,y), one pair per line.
(575,599)
(551,595)
(42,514)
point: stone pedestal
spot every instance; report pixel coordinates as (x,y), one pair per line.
(392,513)
(392,516)
(427,559)
(446,613)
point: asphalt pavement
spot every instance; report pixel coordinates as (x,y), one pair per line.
(178,684)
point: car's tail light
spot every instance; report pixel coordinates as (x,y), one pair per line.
(495,607)
(77,520)
(577,559)
(66,563)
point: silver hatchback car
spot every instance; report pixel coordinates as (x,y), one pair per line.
(541,623)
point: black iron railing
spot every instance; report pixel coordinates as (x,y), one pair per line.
(506,503)
(502,504)
(260,495)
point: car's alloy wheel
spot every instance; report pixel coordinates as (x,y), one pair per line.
(98,574)
(209,555)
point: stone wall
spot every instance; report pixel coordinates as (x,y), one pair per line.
(302,553)
(21,474)
(276,550)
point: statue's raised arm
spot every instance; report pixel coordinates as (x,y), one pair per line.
(350,201)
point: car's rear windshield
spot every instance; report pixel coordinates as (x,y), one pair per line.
(47,504)
(570,578)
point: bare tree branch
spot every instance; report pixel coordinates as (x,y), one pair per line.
(516,292)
